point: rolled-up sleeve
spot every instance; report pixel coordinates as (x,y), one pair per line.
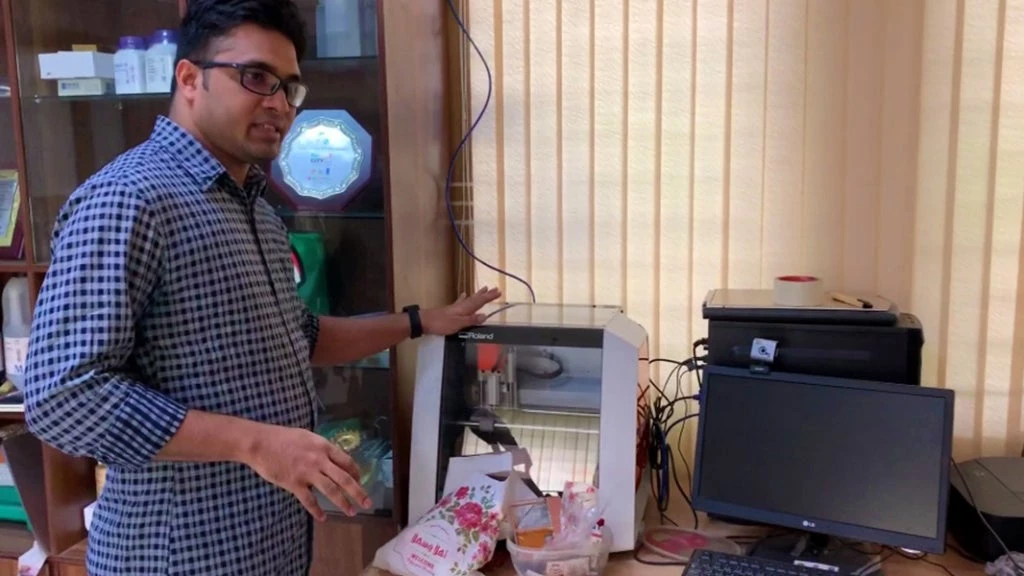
(81,394)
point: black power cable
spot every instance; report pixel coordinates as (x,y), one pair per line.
(662,419)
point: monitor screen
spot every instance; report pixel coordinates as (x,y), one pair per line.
(845,458)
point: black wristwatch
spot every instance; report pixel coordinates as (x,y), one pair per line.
(415,325)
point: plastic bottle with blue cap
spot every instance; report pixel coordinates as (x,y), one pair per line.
(17,325)
(130,66)
(163,49)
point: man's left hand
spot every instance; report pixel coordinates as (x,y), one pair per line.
(462,313)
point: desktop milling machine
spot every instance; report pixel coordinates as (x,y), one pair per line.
(558,386)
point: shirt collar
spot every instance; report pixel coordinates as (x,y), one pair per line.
(201,164)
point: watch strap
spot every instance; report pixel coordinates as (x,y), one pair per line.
(415,323)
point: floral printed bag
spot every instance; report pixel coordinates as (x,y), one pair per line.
(455,537)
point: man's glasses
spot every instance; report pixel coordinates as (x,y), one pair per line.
(261,81)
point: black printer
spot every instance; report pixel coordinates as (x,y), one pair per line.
(993,488)
(746,329)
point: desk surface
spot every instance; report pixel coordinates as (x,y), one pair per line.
(624,564)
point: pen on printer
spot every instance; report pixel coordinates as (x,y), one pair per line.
(845,299)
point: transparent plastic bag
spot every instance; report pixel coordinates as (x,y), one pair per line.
(580,518)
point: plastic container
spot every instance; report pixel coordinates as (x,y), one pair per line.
(163,49)
(17,324)
(591,559)
(130,66)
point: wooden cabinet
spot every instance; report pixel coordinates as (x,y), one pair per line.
(70,563)
(383,243)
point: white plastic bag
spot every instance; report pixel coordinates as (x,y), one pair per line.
(456,537)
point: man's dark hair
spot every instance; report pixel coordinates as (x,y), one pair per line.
(208,20)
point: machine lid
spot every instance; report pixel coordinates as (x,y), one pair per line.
(549,315)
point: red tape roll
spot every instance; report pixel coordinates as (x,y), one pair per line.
(799,290)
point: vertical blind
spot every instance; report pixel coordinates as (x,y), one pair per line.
(642,153)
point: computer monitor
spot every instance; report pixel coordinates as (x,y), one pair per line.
(852,459)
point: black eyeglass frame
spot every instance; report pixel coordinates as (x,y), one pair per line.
(301,91)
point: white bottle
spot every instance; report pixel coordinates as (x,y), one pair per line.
(17,324)
(163,49)
(130,66)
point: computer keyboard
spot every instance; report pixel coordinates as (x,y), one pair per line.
(708,563)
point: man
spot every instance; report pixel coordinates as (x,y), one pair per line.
(169,341)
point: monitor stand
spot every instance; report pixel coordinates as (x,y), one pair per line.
(817,550)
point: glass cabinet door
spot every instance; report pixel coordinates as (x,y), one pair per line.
(11,233)
(328,186)
(75,119)
(8,156)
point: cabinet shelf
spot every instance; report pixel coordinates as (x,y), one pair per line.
(13,417)
(120,99)
(339,61)
(313,67)
(360,518)
(345,215)
(14,267)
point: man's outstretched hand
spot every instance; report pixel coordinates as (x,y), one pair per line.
(300,461)
(460,314)
(292,458)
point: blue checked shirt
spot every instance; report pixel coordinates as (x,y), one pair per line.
(171,288)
